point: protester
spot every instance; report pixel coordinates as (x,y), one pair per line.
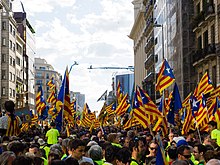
(52,135)
(77,151)
(199,151)
(215,133)
(10,123)
(7,157)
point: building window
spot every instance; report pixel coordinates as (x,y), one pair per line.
(48,88)
(10,62)
(212,34)
(39,75)
(39,82)
(13,62)
(10,76)
(3,91)
(13,77)
(3,58)
(10,92)
(10,44)
(13,93)
(42,68)
(13,32)
(18,61)
(13,48)
(10,28)
(3,74)
(205,39)
(3,42)
(47,75)
(18,48)
(3,25)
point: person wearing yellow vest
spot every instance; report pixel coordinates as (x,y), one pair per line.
(136,146)
(52,134)
(10,123)
(215,133)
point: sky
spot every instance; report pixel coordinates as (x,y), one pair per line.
(91,32)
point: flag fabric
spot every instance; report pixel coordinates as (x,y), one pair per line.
(175,105)
(51,83)
(205,85)
(88,116)
(40,102)
(63,107)
(122,107)
(202,112)
(216,112)
(34,120)
(119,93)
(109,109)
(188,121)
(161,125)
(132,122)
(73,107)
(160,156)
(195,106)
(139,112)
(103,96)
(150,107)
(67,111)
(52,97)
(165,77)
(186,100)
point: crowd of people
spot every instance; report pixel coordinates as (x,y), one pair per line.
(108,145)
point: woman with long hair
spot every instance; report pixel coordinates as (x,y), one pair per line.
(10,123)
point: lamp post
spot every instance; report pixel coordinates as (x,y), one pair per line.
(75,63)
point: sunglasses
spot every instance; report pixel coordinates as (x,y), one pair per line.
(153,148)
(187,156)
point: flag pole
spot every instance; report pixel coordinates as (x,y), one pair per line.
(62,110)
(198,132)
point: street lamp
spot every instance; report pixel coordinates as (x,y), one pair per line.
(75,63)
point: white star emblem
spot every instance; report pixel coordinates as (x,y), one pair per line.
(168,70)
(195,103)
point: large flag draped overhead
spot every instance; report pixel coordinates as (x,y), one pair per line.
(165,77)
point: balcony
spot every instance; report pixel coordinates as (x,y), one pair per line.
(149,26)
(205,54)
(198,21)
(150,77)
(19,80)
(149,8)
(149,61)
(211,51)
(209,12)
(198,55)
(149,45)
